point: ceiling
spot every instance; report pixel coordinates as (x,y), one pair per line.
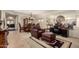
(44,11)
(47,13)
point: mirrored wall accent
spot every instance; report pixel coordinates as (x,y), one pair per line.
(68,22)
(60,18)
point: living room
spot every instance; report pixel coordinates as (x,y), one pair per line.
(58,28)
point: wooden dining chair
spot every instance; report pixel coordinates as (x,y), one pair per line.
(21,28)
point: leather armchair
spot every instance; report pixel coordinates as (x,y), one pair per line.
(36,31)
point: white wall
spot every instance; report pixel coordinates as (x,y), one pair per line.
(68,15)
(77,21)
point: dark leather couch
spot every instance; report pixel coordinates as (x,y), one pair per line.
(60,31)
(36,31)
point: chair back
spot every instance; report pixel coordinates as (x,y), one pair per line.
(20,26)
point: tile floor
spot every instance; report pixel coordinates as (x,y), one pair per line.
(21,40)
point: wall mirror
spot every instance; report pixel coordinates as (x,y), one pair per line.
(60,18)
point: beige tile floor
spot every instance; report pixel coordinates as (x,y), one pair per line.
(17,40)
(22,40)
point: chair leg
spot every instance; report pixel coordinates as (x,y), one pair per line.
(20,30)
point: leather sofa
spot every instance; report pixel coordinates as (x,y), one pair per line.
(36,31)
(60,29)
